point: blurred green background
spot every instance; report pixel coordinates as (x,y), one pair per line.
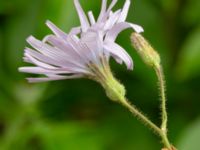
(76,114)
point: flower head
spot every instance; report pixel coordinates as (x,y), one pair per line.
(145,50)
(83,52)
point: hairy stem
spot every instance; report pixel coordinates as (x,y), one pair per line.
(141,117)
(147,122)
(161,82)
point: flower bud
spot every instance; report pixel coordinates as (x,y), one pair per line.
(103,74)
(114,89)
(145,50)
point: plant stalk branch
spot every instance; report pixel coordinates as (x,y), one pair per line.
(147,122)
(161,82)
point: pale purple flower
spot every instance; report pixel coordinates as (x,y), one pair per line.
(83,52)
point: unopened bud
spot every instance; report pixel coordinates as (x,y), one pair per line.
(145,50)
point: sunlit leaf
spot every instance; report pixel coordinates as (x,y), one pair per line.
(188,63)
(190,137)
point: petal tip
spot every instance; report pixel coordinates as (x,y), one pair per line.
(140,29)
(48,23)
(128,1)
(76,2)
(131,67)
(30,80)
(30,38)
(20,69)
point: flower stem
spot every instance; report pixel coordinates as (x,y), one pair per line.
(147,122)
(140,116)
(161,82)
(165,141)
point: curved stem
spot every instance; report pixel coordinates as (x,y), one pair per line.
(161,82)
(141,117)
(165,141)
(147,122)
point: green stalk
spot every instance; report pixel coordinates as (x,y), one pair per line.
(147,122)
(161,82)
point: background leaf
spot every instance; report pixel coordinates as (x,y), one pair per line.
(188,64)
(190,137)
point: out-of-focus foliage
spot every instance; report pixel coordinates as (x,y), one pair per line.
(189,57)
(190,138)
(75,114)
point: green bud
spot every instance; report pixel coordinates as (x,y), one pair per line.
(145,50)
(114,89)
